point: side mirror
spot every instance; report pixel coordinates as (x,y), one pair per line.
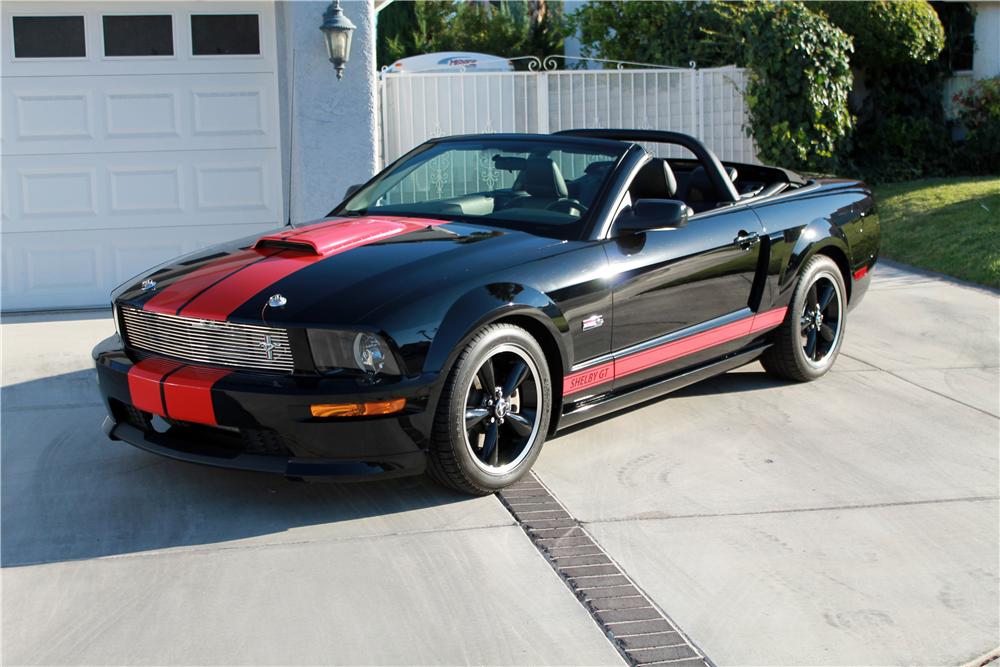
(351,189)
(647,214)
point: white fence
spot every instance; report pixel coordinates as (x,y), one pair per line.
(707,103)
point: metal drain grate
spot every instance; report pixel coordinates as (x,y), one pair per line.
(641,632)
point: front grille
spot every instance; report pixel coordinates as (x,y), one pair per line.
(208,341)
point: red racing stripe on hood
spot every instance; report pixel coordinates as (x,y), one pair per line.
(344,234)
(322,240)
(172,297)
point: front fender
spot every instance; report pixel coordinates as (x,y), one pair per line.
(489,303)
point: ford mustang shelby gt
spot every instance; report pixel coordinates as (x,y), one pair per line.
(478,295)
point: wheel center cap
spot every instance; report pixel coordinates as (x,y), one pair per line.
(501,407)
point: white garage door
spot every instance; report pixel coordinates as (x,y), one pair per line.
(132,133)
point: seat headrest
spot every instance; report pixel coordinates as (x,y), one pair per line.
(700,186)
(655,180)
(541,177)
(598,168)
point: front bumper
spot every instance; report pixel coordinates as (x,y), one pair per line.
(262,422)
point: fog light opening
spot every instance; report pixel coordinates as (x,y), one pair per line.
(325,410)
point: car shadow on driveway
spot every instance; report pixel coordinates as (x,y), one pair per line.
(71,493)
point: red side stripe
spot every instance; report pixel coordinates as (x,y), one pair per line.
(576,382)
(768,320)
(179,292)
(661,354)
(189,393)
(144,384)
(220,300)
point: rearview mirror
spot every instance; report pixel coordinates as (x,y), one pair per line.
(351,189)
(647,214)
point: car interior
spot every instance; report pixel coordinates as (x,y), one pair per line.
(540,184)
(540,194)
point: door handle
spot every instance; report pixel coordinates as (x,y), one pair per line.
(746,240)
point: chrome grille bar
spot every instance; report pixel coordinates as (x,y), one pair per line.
(207,341)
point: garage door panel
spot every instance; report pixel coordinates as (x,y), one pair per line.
(46,116)
(113,164)
(182,61)
(118,191)
(44,270)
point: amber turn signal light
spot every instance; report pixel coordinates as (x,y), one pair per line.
(357,409)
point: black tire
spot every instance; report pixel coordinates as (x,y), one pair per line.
(474,467)
(790,356)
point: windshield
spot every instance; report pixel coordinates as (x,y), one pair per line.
(545,187)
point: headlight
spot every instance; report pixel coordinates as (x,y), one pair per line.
(368,352)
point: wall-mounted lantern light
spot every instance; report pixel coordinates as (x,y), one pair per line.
(337,29)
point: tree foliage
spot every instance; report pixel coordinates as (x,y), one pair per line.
(505,28)
(887,33)
(662,33)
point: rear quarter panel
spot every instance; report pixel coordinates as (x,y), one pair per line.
(836,218)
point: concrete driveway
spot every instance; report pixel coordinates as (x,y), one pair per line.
(850,521)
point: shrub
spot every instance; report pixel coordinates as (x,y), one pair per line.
(800,76)
(979,111)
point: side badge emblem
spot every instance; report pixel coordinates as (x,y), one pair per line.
(593,322)
(148,284)
(277,301)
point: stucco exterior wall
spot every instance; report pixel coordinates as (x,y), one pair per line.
(986,61)
(329,127)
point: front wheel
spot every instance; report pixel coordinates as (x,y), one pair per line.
(493,414)
(808,341)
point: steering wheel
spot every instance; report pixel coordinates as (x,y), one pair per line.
(567,204)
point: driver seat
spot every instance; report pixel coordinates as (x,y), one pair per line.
(655,180)
(538,185)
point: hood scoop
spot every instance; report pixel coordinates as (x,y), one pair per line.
(330,238)
(282,244)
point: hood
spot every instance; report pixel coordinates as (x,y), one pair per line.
(334,271)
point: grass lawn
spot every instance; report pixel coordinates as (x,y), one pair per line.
(949,225)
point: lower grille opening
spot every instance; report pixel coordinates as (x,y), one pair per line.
(202,439)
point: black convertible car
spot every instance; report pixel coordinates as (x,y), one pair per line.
(478,295)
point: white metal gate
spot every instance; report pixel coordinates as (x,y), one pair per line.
(706,103)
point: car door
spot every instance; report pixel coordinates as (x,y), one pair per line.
(682,295)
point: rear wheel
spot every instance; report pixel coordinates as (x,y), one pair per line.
(808,341)
(493,414)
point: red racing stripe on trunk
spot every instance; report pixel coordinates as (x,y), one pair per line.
(326,240)
(144,384)
(188,393)
(176,294)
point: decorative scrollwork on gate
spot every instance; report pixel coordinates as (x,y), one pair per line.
(552,62)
